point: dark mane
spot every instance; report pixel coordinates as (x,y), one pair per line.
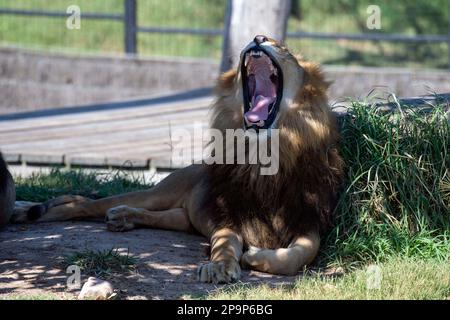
(269,210)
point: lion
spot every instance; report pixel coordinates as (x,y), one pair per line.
(7,193)
(270,223)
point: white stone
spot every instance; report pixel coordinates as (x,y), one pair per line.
(97,289)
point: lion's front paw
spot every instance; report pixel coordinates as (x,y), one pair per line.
(249,256)
(118,219)
(219,272)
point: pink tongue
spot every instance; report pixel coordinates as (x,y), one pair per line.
(263,93)
(260,109)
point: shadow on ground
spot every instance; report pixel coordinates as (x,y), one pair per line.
(31,255)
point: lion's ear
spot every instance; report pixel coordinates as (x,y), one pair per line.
(226,80)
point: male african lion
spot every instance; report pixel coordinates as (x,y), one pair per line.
(270,223)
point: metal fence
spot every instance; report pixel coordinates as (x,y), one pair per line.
(412,33)
(128,17)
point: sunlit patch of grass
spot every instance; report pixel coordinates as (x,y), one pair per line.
(398,280)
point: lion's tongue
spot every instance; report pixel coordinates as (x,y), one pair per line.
(260,109)
(264,96)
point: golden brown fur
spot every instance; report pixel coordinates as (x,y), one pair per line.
(269,223)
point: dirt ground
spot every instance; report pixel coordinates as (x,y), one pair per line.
(30,261)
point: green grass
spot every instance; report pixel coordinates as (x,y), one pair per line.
(101,263)
(400,279)
(41,187)
(345,16)
(393,203)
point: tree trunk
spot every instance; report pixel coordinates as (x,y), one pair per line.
(249,18)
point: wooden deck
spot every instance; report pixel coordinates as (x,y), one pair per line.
(133,133)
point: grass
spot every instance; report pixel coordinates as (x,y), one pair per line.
(101,263)
(394,210)
(41,186)
(399,279)
(394,202)
(345,16)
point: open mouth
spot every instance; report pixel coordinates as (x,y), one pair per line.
(262,81)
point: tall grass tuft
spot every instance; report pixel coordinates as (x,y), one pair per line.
(396,198)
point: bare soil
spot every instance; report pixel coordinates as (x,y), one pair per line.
(31,261)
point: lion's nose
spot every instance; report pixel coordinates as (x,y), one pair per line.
(260,39)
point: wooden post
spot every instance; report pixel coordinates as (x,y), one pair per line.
(226,54)
(249,18)
(130,26)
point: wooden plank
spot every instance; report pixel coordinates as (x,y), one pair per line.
(127,154)
(39,134)
(43,158)
(92,140)
(92,161)
(11,157)
(124,162)
(128,163)
(130,146)
(101,116)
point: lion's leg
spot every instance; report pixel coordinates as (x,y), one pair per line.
(73,207)
(76,207)
(226,251)
(169,193)
(285,261)
(26,211)
(124,218)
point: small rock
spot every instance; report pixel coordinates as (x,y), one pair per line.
(96,289)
